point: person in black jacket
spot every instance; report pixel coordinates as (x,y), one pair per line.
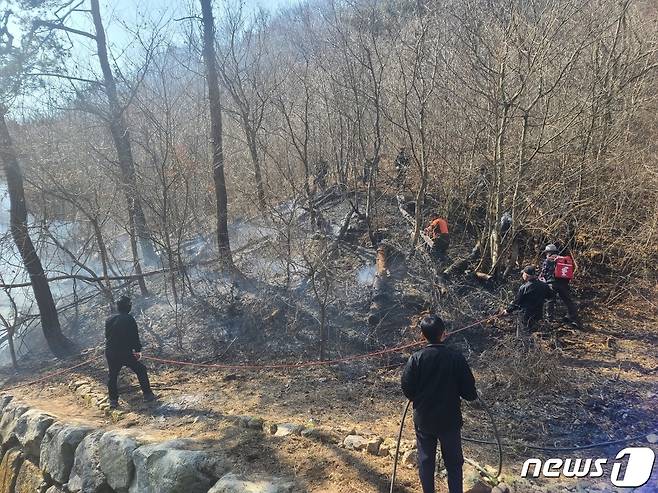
(560,287)
(123,348)
(530,299)
(435,379)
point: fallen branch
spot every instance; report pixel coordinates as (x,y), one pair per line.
(89,279)
(412,221)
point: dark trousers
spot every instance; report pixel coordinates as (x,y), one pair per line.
(525,324)
(453,459)
(440,249)
(562,289)
(116,361)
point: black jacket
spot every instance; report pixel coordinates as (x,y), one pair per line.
(530,299)
(435,379)
(548,270)
(121,334)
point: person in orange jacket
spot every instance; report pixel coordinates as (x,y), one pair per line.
(438,232)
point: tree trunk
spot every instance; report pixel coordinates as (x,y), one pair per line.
(323,332)
(420,205)
(253,152)
(121,138)
(381,299)
(210,62)
(58,344)
(133,247)
(499,191)
(12,348)
(102,250)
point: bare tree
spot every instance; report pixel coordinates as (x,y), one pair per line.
(215,106)
(318,261)
(58,344)
(114,115)
(247,71)
(121,137)
(15,63)
(363,64)
(419,58)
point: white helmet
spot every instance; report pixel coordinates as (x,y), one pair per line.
(551,248)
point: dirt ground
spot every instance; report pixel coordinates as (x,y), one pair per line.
(570,388)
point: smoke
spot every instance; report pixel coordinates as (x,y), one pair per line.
(366,275)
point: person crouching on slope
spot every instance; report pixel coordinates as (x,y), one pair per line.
(435,379)
(437,230)
(530,300)
(123,348)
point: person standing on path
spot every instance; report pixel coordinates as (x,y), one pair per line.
(435,380)
(123,348)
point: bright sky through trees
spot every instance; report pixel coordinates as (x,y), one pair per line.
(128,24)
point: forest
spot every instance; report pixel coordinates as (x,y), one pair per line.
(259,179)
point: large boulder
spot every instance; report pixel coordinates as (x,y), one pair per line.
(116,460)
(86,475)
(232,483)
(9,468)
(58,450)
(30,428)
(29,479)
(10,415)
(169,468)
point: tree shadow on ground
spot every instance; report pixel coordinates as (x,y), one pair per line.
(251,454)
(368,474)
(579,362)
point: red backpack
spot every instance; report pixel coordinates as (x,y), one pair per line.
(564,267)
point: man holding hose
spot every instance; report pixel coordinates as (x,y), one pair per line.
(435,380)
(123,348)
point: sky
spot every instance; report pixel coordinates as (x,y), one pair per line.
(119,16)
(115,11)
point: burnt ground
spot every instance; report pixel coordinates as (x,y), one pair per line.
(570,388)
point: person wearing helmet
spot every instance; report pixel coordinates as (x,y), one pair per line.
(559,284)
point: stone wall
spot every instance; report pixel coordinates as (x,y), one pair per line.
(42,454)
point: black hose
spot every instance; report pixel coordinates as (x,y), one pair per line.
(498,441)
(397,446)
(493,423)
(560,449)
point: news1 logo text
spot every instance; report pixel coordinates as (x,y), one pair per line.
(631,468)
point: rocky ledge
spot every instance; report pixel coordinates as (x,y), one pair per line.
(40,453)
